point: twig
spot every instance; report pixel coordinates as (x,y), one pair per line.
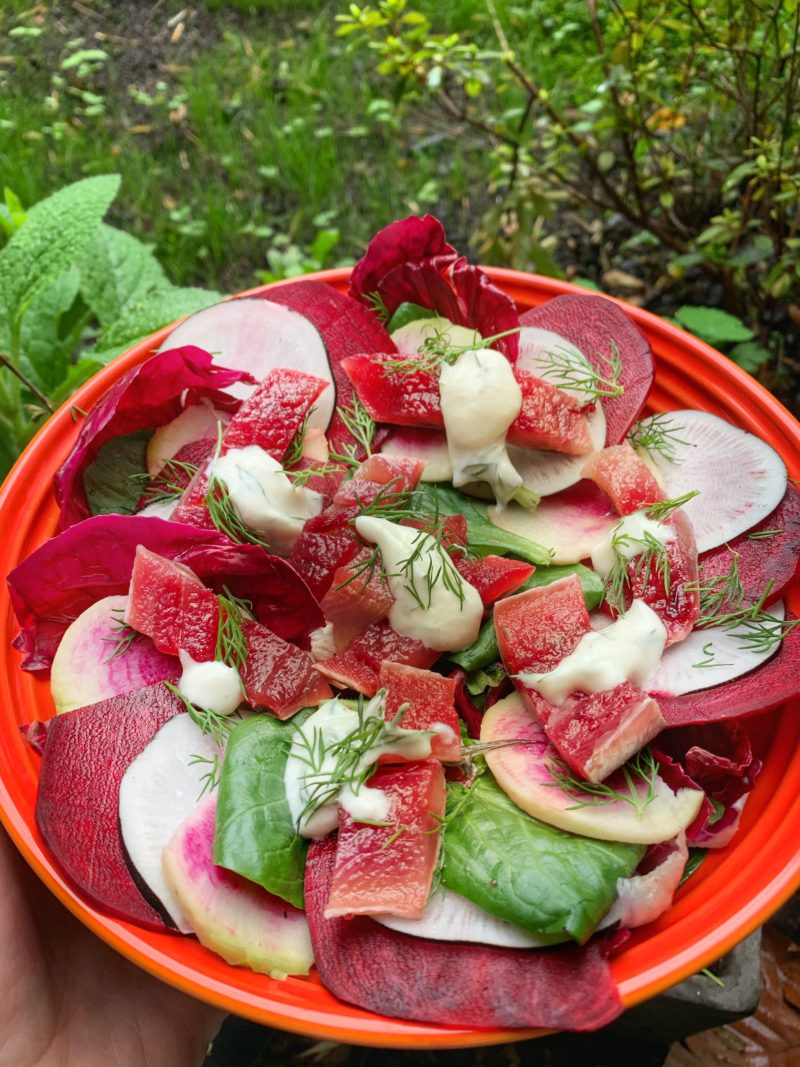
(6,362)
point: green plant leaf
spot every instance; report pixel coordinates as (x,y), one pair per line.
(44,351)
(750,355)
(158,310)
(77,374)
(118,271)
(712,325)
(545,880)
(255,835)
(55,234)
(110,486)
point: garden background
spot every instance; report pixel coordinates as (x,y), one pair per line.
(649,149)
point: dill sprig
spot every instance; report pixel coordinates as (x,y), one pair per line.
(569,370)
(722,604)
(710,660)
(658,434)
(364,570)
(211,722)
(122,637)
(210,779)
(361,426)
(763,535)
(720,591)
(662,509)
(168,483)
(295,450)
(231,642)
(378,307)
(640,770)
(224,516)
(639,568)
(420,577)
(436,350)
(301,478)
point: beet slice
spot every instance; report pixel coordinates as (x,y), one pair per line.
(774,558)
(366,964)
(593,324)
(86,755)
(773,683)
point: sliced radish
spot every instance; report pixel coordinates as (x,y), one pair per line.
(450,917)
(707,658)
(85,669)
(193,424)
(158,791)
(410,338)
(570,523)
(522,770)
(259,336)
(428,445)
(550,472)
(739,478)
(538,346)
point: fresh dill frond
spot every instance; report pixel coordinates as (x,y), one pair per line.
(211,722)
(231,641)
(210,779)
(361,426)
(710,660)
(122,637)
(301,478)
(168,483)
(662,509)
(363,571)
(650,556)
(658,434)
(420,579)
(720,591)
(437,349)
(640,770)
(378,307)
(763,535)
(295,450)
(722,605)
(568,370)
(224,516)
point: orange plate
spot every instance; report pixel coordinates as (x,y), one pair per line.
(732,894)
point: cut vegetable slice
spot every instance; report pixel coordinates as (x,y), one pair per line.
(648,894)
(358,667)
(457,985)
(272,415)
(77,810)
(732,495)
(95,660)
(450,917)
(708,657)
(549,472)
(429,446)
(569,524)
(239,920)
(196,423)
(524,772)
(160,789)
(259,336)
(599,328)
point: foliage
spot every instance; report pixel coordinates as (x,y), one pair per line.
(723,330)
(681,121)
(66,280)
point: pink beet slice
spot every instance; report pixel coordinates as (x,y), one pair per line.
(86,754)
(358,596)
(170,604)
(771,684)
(624,478)
(774,558)
(429,701)
(406,977)
(280,676)
(388,869)
(358,667)
(594,324)
(538,628)
(273,414)
(494,576)
(86,668)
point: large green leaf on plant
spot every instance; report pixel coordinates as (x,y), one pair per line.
(146,316)
(712,325)
(55,233)
(118,271)
(45,346)
(520,869)
(750,355)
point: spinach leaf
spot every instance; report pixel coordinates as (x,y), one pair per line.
(406,313)
(111,488)
(517,868)
(255,835)
(484,537)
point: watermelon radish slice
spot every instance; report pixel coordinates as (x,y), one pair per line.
(771,684)
(569,523)
(707,658)
(233,917)
(160,789)
(450,917)
(428,446)
(365,964)
(523,771)
(739,478)
(85,669)
(196,423)
(596,325)
(259,336)
(77,810)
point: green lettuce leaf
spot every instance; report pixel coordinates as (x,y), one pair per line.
(109,480)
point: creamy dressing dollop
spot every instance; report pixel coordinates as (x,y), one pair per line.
(480,398)
(626,539)
(627,650)
(211,684)
(264,497)
(312,779)
(432,602)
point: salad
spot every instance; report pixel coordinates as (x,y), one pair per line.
(391,639)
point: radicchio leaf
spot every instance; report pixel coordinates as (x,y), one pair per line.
(94,559)
(150,395)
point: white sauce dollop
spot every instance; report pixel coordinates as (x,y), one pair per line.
(211,684)
(312,790)
(480,398)
(625,539)
(627,650)
(446,612)
(264,497)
